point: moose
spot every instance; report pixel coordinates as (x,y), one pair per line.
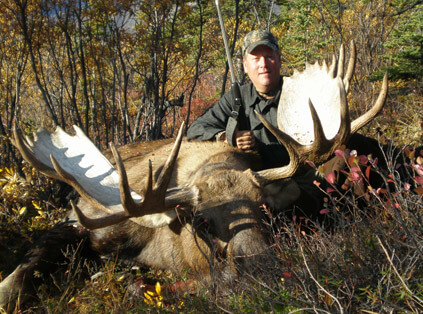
(201,203)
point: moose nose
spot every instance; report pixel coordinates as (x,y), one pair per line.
(251,252)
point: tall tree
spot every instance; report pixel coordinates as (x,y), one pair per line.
(405,44)
(13,62)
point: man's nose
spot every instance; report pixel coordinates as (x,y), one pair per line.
(262,61)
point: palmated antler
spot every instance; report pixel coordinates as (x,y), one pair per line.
(76,161)
(313,115)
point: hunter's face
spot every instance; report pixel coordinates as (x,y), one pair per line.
(263,66)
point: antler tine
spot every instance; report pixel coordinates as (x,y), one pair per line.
(24,146)
(132,208)
(154,199)
(320,140)
(166,174)
(332,68)
(327,147)
(351,67)
(97,223)
(293,148)
(377,107)
(345,125)
(69,179)
(128,203)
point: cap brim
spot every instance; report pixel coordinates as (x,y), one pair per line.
(260,43)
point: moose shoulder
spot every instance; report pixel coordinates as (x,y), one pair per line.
(199,210)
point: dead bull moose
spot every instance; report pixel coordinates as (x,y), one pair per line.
(201,204)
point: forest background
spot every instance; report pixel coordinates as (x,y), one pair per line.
(129,70)
(133,70)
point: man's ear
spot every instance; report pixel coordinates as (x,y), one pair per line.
(244,63)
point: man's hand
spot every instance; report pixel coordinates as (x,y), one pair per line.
(245,140)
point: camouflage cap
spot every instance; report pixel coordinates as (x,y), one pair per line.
(257,38)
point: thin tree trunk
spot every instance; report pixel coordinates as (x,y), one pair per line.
(197,66)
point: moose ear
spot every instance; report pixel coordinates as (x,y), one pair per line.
(281,194)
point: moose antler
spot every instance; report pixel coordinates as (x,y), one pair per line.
(313,115)
(98,182)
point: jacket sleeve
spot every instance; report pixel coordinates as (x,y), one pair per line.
(213,121)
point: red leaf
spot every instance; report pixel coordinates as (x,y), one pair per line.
(331,178)
(330,190)
(363,159)
(355,169)
(368,172)
(325,211)
(339,153)
(287,275)
(351,160)
(418,169)
(356,176)
(381,191)
(419,180)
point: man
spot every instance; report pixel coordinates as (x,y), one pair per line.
(262,63)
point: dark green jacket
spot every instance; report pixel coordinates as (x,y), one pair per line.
(214,120)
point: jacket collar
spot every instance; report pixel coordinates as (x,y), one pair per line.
(253,98)
(254,101)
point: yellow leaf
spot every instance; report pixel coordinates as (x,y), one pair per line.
(148,299)
(22,211)
(158,289)
(36,206)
